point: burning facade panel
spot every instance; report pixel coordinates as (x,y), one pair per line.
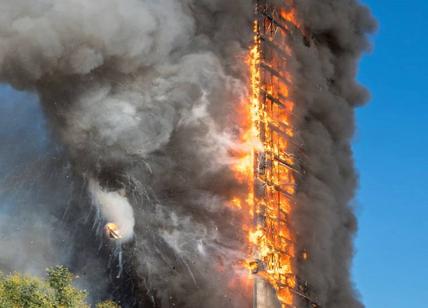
(276,159)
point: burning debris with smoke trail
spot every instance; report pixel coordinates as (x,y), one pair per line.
(114,206)
(147,98)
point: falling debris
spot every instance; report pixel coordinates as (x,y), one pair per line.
(112,231)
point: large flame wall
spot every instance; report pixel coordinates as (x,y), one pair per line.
(272,166)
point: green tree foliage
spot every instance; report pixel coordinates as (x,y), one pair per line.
(60,279)
(57,291)
(108,304)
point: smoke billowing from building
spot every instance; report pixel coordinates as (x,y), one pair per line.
(144,95)
(327,94)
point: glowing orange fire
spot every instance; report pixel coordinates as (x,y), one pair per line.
(269,164)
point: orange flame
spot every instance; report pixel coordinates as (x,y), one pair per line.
(269,140)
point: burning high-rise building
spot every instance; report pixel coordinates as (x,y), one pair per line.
(280,108)
(276,155)
(210,137)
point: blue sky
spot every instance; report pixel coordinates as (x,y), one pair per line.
(391,150)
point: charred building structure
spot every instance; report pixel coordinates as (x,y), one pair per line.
(277,168)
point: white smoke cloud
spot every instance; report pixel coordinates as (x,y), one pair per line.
(115,208)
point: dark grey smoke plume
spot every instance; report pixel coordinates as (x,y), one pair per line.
(143,95)
(326,93)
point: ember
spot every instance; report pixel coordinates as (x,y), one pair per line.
(112,231)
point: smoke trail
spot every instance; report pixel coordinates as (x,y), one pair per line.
(143,95)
